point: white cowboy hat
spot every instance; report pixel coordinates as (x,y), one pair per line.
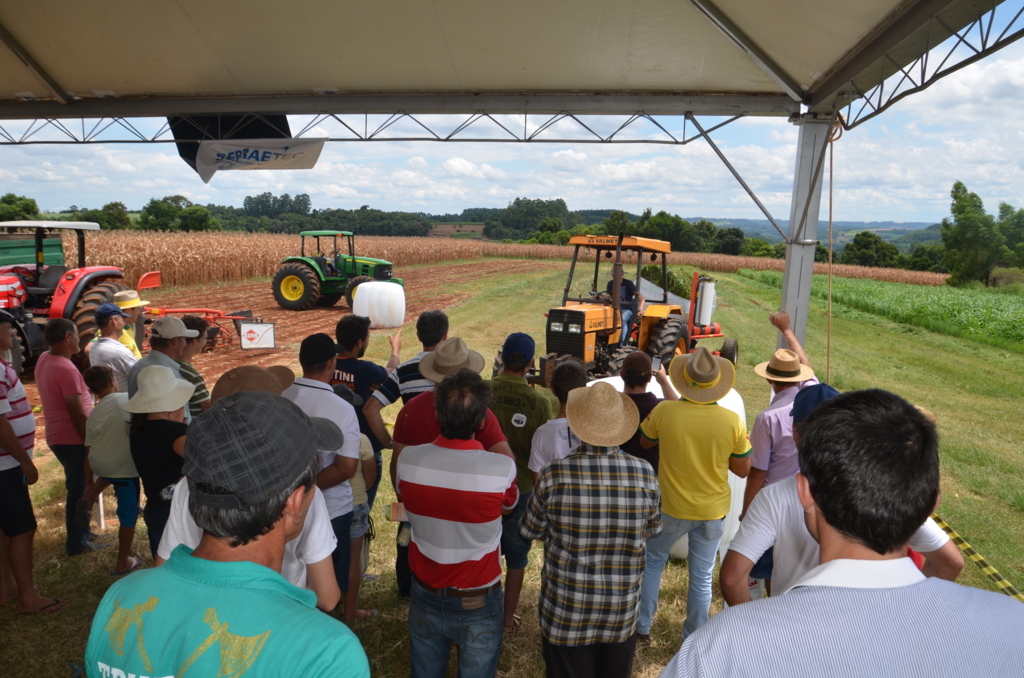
(450,356)
(159,391)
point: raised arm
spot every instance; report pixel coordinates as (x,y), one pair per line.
(781,321)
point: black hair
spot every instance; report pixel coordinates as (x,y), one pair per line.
(240,526)
(431,327)
(350,330)
(104,322)
(97,378)
(197,323)
(460,402)
(514,362)
(872,462)
(567,376)
(315,369)
(160,343)
(56,330)
(635,379)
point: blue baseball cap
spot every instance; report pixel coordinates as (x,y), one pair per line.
(521,343)
(109,311)
(808,398)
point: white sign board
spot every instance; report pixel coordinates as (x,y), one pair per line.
(255,154)
(256,335)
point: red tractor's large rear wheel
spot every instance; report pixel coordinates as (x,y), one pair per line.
(84,315)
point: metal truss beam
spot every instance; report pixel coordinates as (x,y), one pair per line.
(653,103)
(923,30)
(124,131)
(750,48)
(26,58)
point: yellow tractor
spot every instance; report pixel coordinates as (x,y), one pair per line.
(587,327)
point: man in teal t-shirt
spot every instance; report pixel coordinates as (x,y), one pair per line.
(224,609)
(521,410)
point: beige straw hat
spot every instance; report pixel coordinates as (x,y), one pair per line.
(784,366)
(702,377)
(602,416)
(128,299)
(159,391)
(450,356)
(244,378)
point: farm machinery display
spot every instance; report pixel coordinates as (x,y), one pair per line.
(325,275)
(36,284)
(587,327)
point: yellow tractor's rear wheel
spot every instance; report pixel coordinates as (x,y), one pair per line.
(296,287)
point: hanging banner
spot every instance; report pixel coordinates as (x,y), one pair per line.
(256,154)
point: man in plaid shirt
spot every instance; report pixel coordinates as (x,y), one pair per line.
(593,510)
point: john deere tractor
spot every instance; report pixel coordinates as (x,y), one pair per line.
(326,274)
(587,327)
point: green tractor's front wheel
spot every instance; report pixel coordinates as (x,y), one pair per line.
(296,287)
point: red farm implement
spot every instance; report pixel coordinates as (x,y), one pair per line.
(218,335)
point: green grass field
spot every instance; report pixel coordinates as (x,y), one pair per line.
(975,390)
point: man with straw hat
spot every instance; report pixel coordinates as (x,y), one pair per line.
(417,425)
(700,444)
(593,510)
(251,464)
(129,302)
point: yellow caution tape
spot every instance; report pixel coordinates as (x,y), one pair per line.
(979,560)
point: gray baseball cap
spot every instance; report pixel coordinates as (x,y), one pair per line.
(253,445)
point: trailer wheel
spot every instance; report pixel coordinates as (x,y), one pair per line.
(296,287)
(730,350)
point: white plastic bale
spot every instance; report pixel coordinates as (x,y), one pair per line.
(382,302)
(706,303)
(732,401)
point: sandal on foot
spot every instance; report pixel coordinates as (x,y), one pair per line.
(133,564)
(53,606)
(366,615)
(510,629)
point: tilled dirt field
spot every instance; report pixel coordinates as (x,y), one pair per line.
(425,288)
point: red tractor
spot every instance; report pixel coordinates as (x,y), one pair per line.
(36,285)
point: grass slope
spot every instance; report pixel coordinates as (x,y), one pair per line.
(975,390)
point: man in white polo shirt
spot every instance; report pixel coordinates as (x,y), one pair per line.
(315,397)
(869,477)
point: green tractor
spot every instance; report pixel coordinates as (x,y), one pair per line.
(326,274)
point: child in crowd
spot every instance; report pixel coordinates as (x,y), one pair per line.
(106,437)
(157,441)
(553,439)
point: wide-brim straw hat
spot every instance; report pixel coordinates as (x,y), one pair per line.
(129,299)
(450,356)
(702,377)
(159,391)
(784,366)
(244,378)
(600,415)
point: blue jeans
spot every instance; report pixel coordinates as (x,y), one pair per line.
(437,620)
(704,536)
(72,458)
(342,526)
(627,315)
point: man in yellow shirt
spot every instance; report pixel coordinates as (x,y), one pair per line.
(129,302)
(700,443)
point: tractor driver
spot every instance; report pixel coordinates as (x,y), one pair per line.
(627,293)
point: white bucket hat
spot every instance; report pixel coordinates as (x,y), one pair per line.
(159,391)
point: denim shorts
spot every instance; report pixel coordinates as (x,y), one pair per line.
(126,490)
(514,547)
(360,520)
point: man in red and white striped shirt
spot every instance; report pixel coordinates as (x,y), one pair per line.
(17,472)
(455,493)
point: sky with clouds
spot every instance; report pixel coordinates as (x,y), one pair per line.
(899,166)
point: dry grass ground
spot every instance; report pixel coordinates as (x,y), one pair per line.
(976,391)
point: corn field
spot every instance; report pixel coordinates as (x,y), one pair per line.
(189,259)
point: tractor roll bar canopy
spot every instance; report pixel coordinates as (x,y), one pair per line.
(628,243)
(609,243)
(80,227)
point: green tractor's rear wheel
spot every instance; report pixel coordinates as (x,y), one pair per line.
(350,289)
(296,287)
(329,299)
